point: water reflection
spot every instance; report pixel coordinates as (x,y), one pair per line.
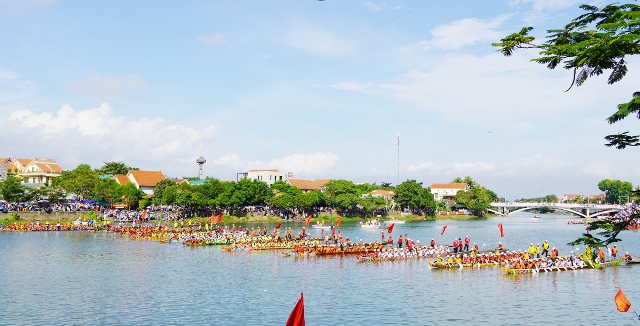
(83,278)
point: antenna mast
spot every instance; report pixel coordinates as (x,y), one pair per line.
(398,159)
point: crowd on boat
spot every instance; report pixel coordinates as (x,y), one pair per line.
(37,226)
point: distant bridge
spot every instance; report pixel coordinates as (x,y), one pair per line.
(584,210)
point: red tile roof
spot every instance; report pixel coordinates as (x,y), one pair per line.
(49,167)
(387,193)
(303,184)
(461,186)
(146,178)
(122,179)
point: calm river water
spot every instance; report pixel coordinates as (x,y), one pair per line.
(80,278)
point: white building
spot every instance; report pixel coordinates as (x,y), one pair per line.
(447,191)
(267,176)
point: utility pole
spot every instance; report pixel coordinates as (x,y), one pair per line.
(398,159)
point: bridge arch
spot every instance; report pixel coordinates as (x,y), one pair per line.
(560,208)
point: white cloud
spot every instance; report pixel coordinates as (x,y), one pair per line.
(599,168)
(453,168)
(101,87)
(490,89)
(542,5)
(463,32)
(372,6)
(542,8)
(98,133)
(232,160)
(312,164)
(215,39)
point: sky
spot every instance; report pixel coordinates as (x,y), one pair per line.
(321,89)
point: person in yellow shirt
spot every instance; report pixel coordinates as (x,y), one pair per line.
(538,251)
(545,248)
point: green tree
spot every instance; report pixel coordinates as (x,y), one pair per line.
(342,194)
(616,191)
(477,199)
(11,189)
(158,190)
(106,189)
(115,168)
(468,180)
(80,181)
(410,194)
(129,194)
(591,44)
(599,40)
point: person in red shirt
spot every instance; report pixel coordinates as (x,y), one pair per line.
(433,243)
(466,243)
(455,246)
(475,247)
(390,242)
(400,242)
(382,235)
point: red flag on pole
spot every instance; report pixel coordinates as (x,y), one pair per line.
(339,220)
(220,217)
(501,230)
(278,226)
(296,318)
(390,228)
(443,228)
(308,221)
(622,302)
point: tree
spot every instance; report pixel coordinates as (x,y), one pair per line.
(158,190)
(596,42)
(616,191)
(410,194)
(115,168)
(129,194)
(341,194)
(80,181)
(11,189)
(468,180)
(477,199)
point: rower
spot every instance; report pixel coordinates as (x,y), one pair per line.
(627,257)
(433,243)
(500,246)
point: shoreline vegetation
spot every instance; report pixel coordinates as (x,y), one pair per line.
(10,218)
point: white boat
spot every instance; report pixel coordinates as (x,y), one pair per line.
(321,227)
(394,222)
(370,226)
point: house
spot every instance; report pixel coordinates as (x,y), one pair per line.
(267,176)
(38,171)
(121,179)
(144,180)
(447,191)
(386,194)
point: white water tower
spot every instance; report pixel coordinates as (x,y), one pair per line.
(200,162)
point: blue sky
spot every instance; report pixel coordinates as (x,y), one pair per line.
(318,88)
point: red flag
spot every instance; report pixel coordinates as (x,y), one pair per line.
(278,226)
(297,315)
(390,228)
(501,230)
(308,221)
(443,228)
(622,302)
(339,220)
(144,214)
(220,217)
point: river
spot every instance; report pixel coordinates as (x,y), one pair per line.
(81,278)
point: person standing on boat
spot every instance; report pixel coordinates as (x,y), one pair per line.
(390,242)
(475,247)
(545,249)
(433,243)
(400,242)
(614,252)
(455,245)
(538,251)
(466,243)
(459,244)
